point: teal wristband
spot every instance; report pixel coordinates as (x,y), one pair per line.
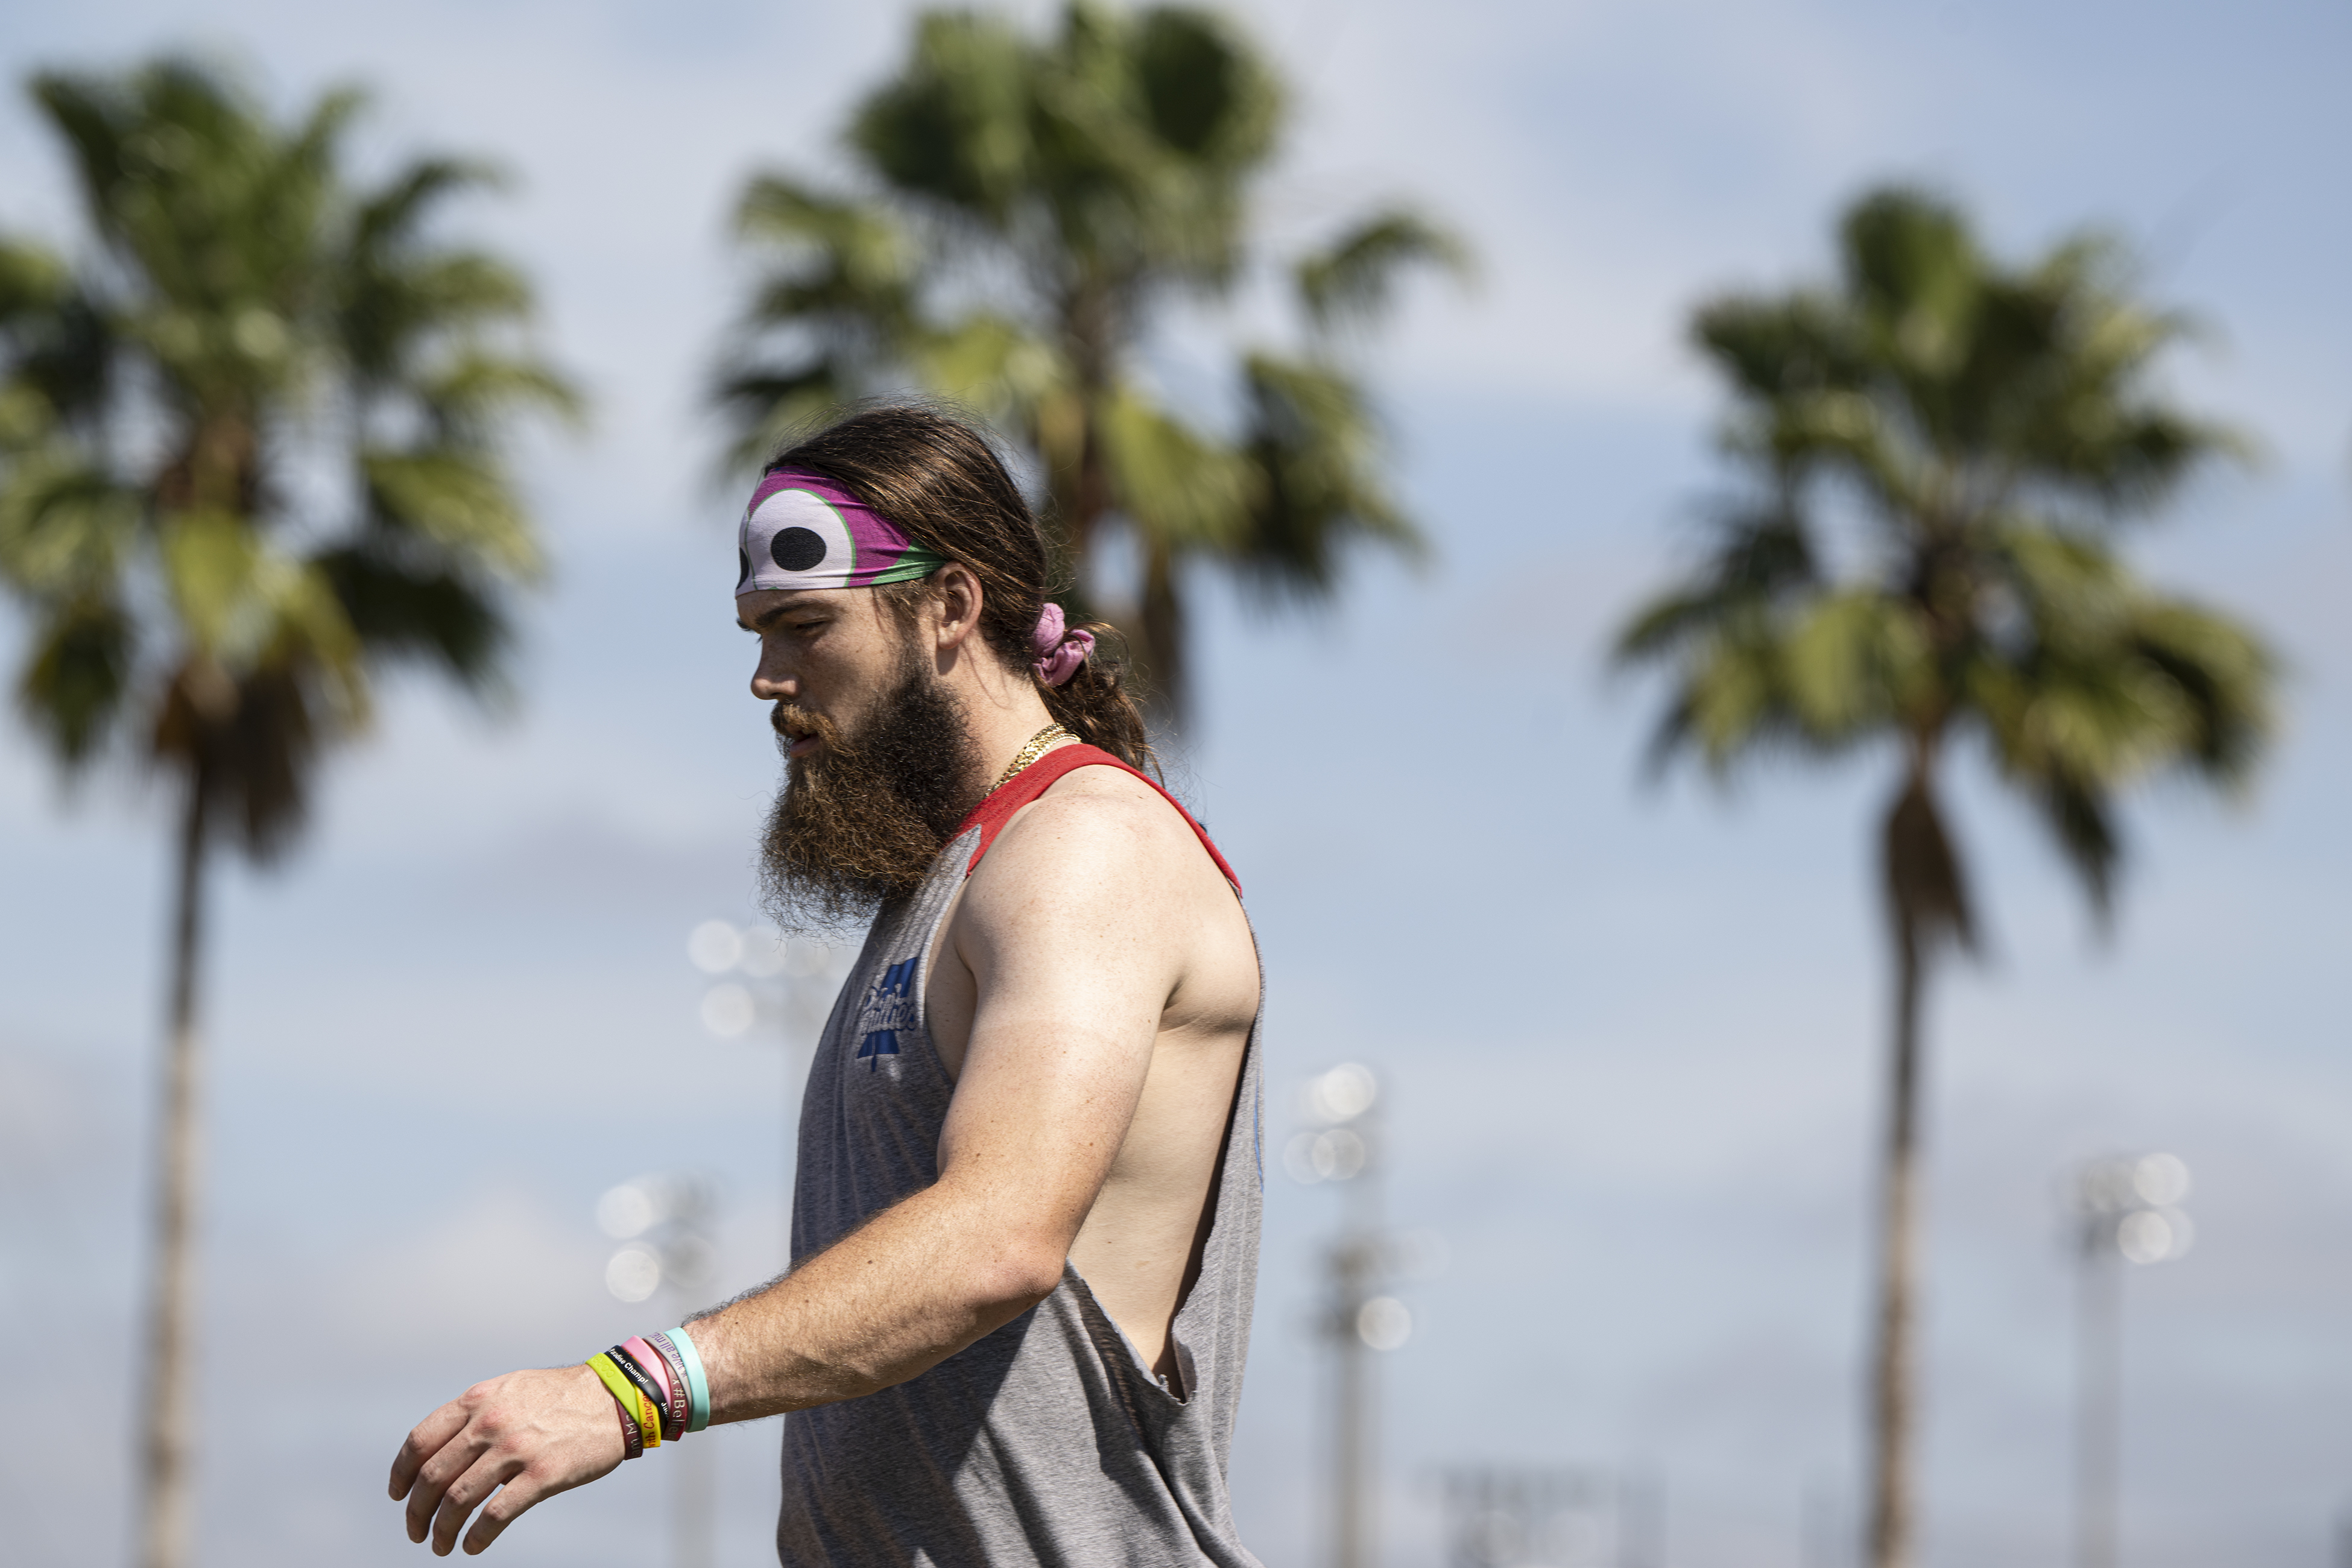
(697,1385)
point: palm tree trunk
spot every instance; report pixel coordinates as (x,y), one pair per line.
(1162,615)
(165,1492)
(1924,902)
(1893,1405)
(1087,330)
(1927,904)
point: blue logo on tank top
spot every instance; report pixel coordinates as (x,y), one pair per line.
(888,1007)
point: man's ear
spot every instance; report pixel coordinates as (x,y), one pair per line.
(956,593)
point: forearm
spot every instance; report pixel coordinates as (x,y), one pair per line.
(885,1303)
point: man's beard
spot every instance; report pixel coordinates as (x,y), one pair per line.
(862,818)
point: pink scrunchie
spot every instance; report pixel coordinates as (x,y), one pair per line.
(1059,652)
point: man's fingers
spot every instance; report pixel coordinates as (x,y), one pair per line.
(423,1443)
(467,1492)
(451,1460)
(502,1447)
(503,1510)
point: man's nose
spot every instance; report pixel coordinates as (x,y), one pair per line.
(770,686)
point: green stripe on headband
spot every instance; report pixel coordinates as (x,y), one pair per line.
(916,561)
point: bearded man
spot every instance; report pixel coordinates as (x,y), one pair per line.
(1025,1217)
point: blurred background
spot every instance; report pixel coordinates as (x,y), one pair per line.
(1612,1054)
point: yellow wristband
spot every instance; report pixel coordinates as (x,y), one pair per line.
(635,1403)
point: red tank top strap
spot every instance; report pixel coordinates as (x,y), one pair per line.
(990,815)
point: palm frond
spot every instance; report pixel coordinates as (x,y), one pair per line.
(834,308)
(1926,891)
(1857,664)
(402,607)
(1319,456)
(2224,677)
(2105,680)
(954,129)
(1207,92)
(67,528)
(2081,819)
(457,498)
(75,680)
(767,406)
(1916,278)
(256,738)
(1181,489)
(993,364)
(1350,282)
(845,252)
(392,215)
(34,283)
(1731,691)
(242,600)
(1759,558)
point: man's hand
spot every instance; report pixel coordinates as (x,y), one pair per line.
(534,1434)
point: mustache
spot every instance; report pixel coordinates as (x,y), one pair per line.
(792,722)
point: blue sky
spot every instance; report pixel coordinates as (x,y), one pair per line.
(1630,1038)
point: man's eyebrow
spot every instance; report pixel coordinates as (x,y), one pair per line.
(761,622)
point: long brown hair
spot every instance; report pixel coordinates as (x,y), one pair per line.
(937,476)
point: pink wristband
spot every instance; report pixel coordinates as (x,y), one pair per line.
(673,1396)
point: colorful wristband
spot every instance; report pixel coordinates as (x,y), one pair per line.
(697,1382)
(624,1399)
(671,1400)
(648,1391)
(633,1399)
(677,1384)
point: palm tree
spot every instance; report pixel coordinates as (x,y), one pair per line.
(1027,210)
(245,329)
(1975,436)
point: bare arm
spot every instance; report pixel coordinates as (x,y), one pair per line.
(1071,973)
(1067,1010)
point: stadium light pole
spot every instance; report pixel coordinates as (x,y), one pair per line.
(1356,1319)
(1353,1441)
(2124,1214)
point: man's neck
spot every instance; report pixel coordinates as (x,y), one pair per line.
(1005,714)
(1004,745)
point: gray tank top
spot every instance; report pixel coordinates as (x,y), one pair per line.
(1048,1441)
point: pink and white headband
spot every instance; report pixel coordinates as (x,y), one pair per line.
(803,530)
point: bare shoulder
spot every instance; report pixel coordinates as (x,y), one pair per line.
(1102,882)
(1102,833)
(1114,800)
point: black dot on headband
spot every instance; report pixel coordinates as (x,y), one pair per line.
(745,574)
(797,549)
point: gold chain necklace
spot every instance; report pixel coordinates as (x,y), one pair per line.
(1030,753)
